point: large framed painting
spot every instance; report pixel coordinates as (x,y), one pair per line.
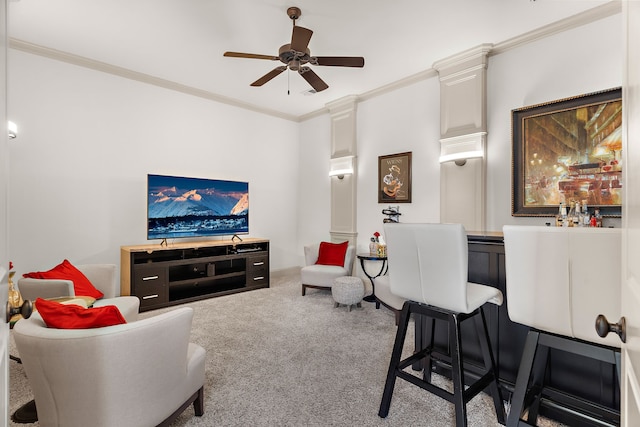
(568,150)
(394,178)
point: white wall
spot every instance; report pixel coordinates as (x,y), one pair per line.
(87,141)
(407,119)
(314,214)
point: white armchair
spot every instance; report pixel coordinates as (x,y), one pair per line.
(102,276)
(322,276)
(137,374)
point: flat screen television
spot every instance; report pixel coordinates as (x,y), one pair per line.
(180,207)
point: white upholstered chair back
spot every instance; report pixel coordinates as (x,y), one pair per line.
(560,279)
(428,264)
(537,274)
(103,276)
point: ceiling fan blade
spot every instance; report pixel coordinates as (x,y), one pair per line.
(250,56)
(271,74)
(312,78)
(338,61)
(300,39)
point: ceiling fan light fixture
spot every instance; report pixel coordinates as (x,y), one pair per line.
(294,65)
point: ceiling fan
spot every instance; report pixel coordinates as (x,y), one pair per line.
(296,55)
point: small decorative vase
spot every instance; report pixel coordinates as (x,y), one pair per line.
(15,299)
(373,248)
(382,251)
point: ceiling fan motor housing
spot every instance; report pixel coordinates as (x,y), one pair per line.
(292,58)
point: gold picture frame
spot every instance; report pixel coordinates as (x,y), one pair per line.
(568,150)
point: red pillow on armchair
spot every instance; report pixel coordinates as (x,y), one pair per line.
(332,253)
(67,271)
(72,316)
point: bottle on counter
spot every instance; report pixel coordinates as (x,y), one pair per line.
(577,215)
(559,215)
(571,214)
(598,217)
(586,218)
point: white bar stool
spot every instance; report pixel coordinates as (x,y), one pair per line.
(558,281)
(428,267)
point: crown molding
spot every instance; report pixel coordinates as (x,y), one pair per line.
(600,12)
(476,56)
(104,67)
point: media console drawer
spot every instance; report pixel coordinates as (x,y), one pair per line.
(257,270)
(150,285)
(187,271)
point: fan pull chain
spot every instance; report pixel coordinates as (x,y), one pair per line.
(288,82)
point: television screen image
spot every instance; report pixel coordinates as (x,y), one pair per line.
(180,207)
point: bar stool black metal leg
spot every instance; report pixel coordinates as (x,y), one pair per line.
(418,338)
(429,326)
(538,378)
(457,373)
(522,380)
(395,361)
(490,365)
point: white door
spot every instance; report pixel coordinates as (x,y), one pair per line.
(630,393)
(4,258)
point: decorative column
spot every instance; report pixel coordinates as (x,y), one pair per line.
(463,132)
(344,169)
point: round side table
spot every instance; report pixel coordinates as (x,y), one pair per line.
(383,270)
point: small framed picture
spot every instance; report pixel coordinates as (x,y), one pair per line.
(394,178)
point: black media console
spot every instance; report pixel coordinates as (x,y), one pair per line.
(188,271)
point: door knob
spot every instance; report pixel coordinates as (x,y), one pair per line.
(25,310)
(603,327)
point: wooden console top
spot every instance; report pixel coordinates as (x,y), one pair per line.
(191,245)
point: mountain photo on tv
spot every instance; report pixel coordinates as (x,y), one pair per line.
(180,207)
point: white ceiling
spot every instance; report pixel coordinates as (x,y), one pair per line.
(182,41)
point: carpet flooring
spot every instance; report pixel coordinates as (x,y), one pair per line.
(276,358)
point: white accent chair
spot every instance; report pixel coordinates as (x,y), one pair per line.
(102,276)
(319,276)
(558,281)
(428,267)
(143,373)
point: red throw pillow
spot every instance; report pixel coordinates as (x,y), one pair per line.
(332,253)
(66,271)
(72,316)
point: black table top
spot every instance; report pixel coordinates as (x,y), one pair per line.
(370,257)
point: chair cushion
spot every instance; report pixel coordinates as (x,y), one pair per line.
(72,316)
(383,293)
(321,275)
(478,295)
(67,271)
(332,253)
